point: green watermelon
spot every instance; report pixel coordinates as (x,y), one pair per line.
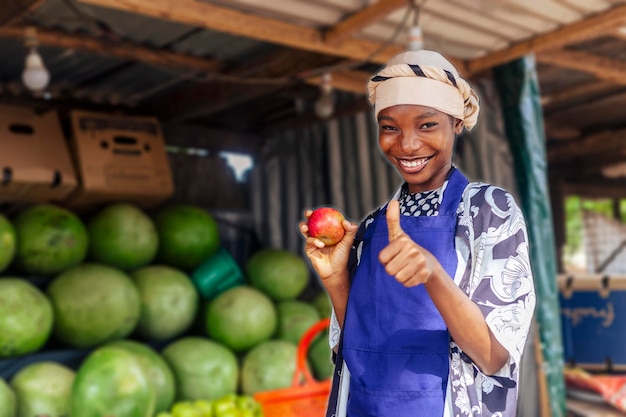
(43,389)
(123,236)
(203,368)
(169,301)
(319,356)
(93,304)
(26,317)
(294,319)
(187,236)
(50,239)
(111,381)
(280,274)
(7,242)
(241,318)
(322,303)
(157,370)
(268,366)
(8,403)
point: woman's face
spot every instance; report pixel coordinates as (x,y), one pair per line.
(418,141)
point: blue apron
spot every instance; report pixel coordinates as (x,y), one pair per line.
(396,344)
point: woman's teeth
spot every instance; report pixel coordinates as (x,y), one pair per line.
(413,163)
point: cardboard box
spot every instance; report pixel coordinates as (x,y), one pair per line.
(593,317)
(119,159)
(35,159)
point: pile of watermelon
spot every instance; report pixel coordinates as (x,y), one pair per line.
(120,287)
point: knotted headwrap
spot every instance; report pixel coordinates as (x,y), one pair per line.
(424,78)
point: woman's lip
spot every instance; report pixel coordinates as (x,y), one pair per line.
(413,165)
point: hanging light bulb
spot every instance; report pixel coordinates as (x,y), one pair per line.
(325,104)
(35,75)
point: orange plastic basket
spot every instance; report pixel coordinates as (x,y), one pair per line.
(305,398)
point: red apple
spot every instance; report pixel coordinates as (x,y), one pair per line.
(325,225)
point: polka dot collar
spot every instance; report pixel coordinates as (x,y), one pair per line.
(425,203)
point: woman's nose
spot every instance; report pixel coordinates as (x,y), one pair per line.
(410,142)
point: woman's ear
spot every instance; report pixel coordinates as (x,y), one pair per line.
(458,126)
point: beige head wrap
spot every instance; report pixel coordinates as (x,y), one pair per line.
(424,78)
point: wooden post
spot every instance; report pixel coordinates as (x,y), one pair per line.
(544,395)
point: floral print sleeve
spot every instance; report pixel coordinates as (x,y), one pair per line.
(494,271)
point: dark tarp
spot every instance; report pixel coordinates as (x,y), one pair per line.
(520,97)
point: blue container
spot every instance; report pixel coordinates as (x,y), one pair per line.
(593,317)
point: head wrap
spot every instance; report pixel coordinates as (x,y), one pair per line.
(424,78)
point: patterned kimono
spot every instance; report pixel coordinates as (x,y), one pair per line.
(494,271)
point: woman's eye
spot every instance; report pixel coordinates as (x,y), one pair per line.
(387,127)
(428,125)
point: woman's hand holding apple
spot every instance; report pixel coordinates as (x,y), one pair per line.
(331,263)
(327,247)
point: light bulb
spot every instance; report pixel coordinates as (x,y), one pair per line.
(35,76)
(325,104)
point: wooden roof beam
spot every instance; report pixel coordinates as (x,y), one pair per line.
(365,17)
(571,94)
(117,49)
(12,11)
(223,19)
(241,84)
(607,188)
(590,28)
(604,142)
(602,67)
(346,80)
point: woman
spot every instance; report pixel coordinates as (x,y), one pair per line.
(433,294)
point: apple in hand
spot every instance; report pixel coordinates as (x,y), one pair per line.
(325,224)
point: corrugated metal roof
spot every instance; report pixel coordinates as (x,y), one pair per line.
(463,29)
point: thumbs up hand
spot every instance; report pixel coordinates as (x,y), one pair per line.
(393,221)
(406,261)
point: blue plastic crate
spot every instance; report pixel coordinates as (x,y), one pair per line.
(593,317)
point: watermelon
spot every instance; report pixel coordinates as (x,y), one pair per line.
(294,319)
(157,371)
(187,236)
(241,318)
(322,303)
(169,301)
(279,273)
(7,242)
(123,236)
(50,239)
(26,317)
(319,356)
(203,368)
(43,389)
(268,366)
(8,404)
(93,304)
(111,381)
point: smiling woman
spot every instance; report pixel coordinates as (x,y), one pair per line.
(427,314)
